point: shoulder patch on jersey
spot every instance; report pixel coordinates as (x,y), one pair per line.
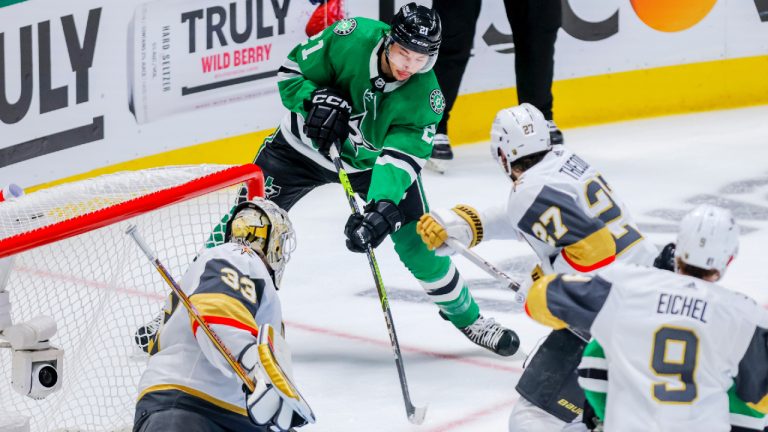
(437,101)
(345,26)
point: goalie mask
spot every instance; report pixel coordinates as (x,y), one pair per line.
(518,132)
(265,227)
(708,238)
(416,28)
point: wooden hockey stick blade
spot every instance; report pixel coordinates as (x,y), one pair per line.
(417,414)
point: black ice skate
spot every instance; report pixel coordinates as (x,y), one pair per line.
(555,135)
(441,153)
(492,336)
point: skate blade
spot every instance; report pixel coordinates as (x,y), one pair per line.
(437,165)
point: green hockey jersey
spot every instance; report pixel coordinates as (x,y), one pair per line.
(392,123)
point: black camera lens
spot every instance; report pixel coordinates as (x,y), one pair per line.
(48,376)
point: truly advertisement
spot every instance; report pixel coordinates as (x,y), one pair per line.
(188,55)
(46,91)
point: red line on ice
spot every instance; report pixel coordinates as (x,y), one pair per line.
(412,349)
(87,282)
(473,416)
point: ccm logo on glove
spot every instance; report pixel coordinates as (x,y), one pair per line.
(329,99)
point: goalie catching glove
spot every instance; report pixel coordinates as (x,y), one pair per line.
(275,402)
(461,223)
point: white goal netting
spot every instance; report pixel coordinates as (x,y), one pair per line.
(97,285)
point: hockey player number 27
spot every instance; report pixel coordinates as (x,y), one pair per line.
(674,354)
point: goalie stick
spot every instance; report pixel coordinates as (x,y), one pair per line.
(281,383)
(415,414)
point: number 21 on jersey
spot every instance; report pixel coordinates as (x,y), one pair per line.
(311,45)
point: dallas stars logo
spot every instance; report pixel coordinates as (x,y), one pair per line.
(437,101)
(345,27)
(356,136)
(271,190)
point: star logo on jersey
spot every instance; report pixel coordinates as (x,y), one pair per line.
(356,136)
(368,95)
(437,101)
(271,190)
(345,27)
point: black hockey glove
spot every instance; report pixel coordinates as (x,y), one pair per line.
(666,258)
(327,118)
(381,219)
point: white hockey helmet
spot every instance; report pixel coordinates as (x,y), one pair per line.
(708,238)
(518,132)
(264,226)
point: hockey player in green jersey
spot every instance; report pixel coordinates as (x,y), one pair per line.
(369,88)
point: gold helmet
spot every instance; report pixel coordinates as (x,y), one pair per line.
(265,227)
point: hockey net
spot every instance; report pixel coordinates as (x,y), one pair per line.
(72,261)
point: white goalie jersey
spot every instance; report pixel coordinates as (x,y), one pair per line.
(570,216)
(673,344)
(232,289)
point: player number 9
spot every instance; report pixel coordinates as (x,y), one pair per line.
(681,363)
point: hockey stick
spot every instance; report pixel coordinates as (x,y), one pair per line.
(415,414)
(483,264)
(237,367)
(295,398)
(498,274)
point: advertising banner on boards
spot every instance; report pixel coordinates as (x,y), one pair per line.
(86,84)
(187,55)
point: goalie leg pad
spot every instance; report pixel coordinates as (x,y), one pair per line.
(550,381)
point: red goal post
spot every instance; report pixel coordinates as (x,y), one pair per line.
(249,174)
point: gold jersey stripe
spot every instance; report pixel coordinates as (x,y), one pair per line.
(536,304)
(222,305)
(591,252)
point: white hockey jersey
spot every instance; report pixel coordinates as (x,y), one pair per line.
(568,213)
(674,344)
(232,289)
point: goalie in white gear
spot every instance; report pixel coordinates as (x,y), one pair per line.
(188,385)
(679,349)
(572,219)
